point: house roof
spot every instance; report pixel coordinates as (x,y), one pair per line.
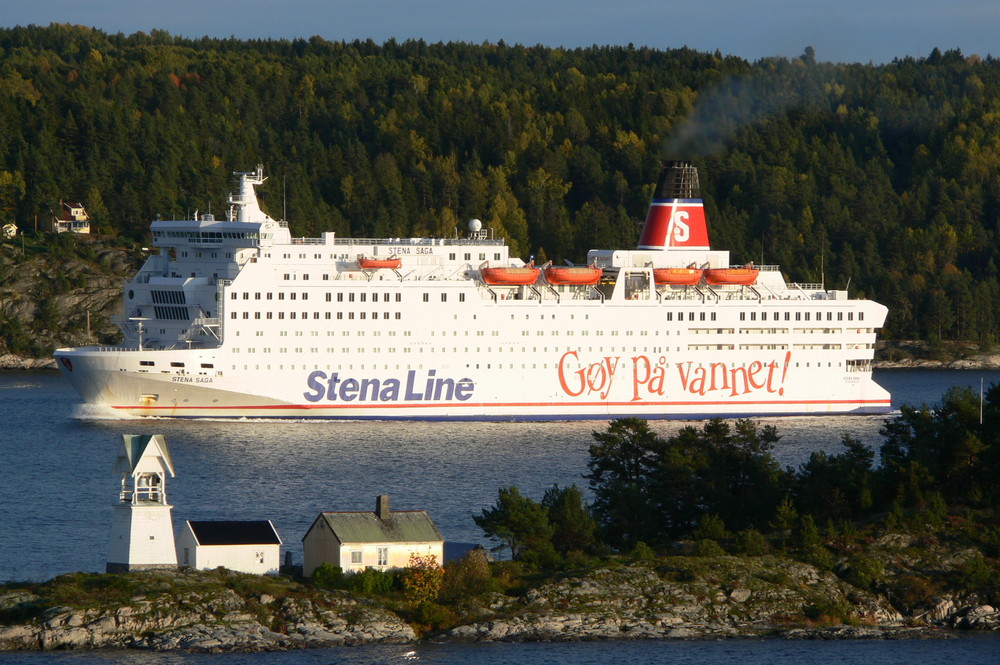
(252,532)
(404,526)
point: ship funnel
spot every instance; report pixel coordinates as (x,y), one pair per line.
(676,217)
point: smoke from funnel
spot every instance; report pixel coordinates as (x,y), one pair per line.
(720,112)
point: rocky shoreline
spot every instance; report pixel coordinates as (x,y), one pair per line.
(202,620)
(731,597)
(983,362)
(10,362)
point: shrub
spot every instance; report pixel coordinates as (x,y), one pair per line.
(711,527)
(828,611)
(468,576)
(912,592)
(706,547)
(807,535)
(991,541)
(422,578)
(865,572)
(434,616)
(820,557)
(976,575)
(642,552)
(506,574)
(936,510)
(371,581)
(751,542)
(329,576)
(543,556)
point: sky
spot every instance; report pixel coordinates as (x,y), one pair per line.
(864,31)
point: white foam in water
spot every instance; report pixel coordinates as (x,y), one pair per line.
(101,412)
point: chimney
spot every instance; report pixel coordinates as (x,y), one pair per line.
(676,217)
(382,506)
(678,180)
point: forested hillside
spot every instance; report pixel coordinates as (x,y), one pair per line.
(884,177)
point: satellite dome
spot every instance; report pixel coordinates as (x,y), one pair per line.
(475,225)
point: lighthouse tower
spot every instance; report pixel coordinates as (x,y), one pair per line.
(142,532)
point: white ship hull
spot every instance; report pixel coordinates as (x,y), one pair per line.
(296,328)
(128,393)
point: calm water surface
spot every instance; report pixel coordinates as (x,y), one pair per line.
(968,650)
(57,487)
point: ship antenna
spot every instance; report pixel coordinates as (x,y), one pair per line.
(822,267)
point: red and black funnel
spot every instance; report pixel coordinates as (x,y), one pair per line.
(676,217)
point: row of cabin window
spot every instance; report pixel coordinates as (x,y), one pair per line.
(680,316)
(799,316)
(347,351)
(315,315)
(763,316)
(350,297)
(500,365)
(452,256)
(151,363)
(573,366)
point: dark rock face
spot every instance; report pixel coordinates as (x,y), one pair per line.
(49,291)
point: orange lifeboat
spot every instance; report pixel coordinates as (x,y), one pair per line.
(511,276)
(573,275)
(731,276)
(677,276)
(390,263)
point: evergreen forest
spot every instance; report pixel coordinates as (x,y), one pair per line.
(883,178)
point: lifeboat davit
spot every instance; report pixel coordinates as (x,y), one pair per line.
(677,276)
(731,276)
(390,263)
(511,276)
(573,275)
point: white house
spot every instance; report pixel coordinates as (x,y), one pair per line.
(382,539)
(244,546)
(142,532)
(72,219)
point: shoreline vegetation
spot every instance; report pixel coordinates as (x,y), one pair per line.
(700,535)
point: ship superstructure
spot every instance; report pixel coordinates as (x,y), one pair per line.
(236,318)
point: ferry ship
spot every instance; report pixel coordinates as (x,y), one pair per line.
(235,318)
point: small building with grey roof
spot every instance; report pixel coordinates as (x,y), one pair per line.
(383,539)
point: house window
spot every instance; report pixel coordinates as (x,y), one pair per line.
(383,556)
(356,559)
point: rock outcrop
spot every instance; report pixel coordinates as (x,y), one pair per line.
(721,597)
(669,598)
(212,620)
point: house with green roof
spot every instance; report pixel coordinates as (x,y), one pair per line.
(383,539)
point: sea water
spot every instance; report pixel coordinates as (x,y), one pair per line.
(57,488)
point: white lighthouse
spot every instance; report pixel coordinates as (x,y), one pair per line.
(142,532)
